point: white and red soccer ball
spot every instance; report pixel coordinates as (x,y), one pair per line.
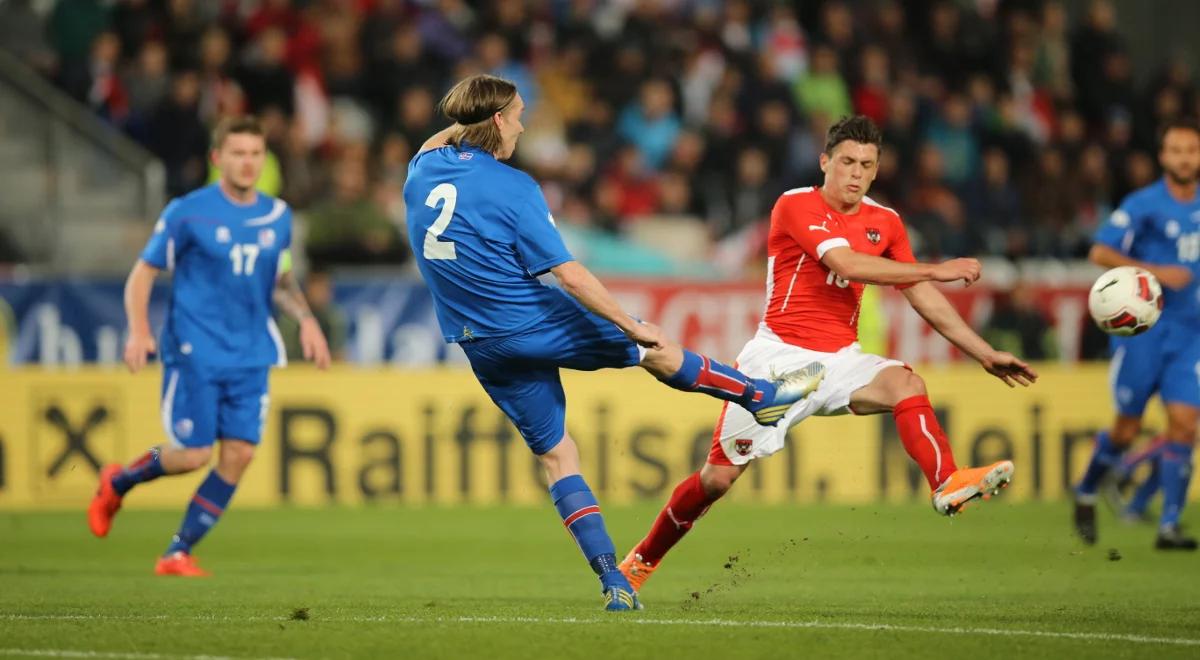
(1125,301)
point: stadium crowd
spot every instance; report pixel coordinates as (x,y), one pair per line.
(662,131)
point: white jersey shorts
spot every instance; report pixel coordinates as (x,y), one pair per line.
(742,440)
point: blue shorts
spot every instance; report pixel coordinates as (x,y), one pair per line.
(201,405)
(1164,359)
(520,372)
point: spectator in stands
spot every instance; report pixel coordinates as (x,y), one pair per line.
(220,94)
(994,202)
(651,124)
(349,227)
(1016,323)
(148,83)
(952,135)
(264,76)
(178,137)
(822,87)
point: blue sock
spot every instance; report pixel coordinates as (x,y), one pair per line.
(699,373)
(581,515)
(1176,466)
(1104,458)
(1145,492)
(146,468)
(203,511)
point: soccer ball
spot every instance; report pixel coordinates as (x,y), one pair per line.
(1125,301)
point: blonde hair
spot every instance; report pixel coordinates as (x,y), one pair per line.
(471,104)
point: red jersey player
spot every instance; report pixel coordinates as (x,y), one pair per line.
(825,245)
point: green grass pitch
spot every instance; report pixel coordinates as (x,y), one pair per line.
(820,581)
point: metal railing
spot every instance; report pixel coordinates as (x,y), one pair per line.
(76,195)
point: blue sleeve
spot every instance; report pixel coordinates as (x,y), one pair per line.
(165,242)
(1119,230)
(539,245)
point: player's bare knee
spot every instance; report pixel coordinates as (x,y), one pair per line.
(236,454)
(910,385)
(717,480)
(195,458)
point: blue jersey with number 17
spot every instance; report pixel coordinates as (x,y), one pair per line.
(482,233)
(225,258)
(1154,227)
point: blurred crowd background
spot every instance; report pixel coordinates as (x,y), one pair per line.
(662,132)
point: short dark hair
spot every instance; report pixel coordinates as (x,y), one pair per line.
(859,128)
(1178,123)
(246,124)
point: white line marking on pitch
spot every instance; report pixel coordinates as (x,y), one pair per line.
(127,655)
(814,624)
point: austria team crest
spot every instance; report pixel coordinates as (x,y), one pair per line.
(873,235)
(742,446)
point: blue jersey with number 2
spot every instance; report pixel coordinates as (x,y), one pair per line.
(482,233)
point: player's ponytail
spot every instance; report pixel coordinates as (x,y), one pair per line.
(472,103)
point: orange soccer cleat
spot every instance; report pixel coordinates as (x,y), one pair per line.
(635,570)
(179,563)
(105,503)
(968,483)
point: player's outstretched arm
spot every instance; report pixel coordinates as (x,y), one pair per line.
(137,305)
(290,298)
(579,282)
(869,269)
(939,313)
(1173,276)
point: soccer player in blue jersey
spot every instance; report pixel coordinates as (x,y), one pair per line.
(227,246)
(1156,228)
(482,233)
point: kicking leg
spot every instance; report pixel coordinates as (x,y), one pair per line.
(767,399)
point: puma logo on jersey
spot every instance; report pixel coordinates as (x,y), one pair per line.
(820,227)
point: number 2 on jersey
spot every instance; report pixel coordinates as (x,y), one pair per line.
(435,248)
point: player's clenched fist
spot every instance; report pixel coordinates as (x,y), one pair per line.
(967,270)
(137,347)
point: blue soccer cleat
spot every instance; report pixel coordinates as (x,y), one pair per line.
(787,389)
(617,599)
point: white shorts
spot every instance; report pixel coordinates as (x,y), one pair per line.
(742,439)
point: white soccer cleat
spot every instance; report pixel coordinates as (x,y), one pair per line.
(790,387)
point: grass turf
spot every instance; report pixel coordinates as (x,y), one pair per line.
(508,582)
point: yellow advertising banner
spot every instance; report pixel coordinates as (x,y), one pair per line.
(353,436)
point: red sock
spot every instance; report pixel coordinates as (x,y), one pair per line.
(687,504)
(924,439)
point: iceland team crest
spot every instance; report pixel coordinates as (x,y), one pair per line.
(873,235)
(223,235)
(266,237)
